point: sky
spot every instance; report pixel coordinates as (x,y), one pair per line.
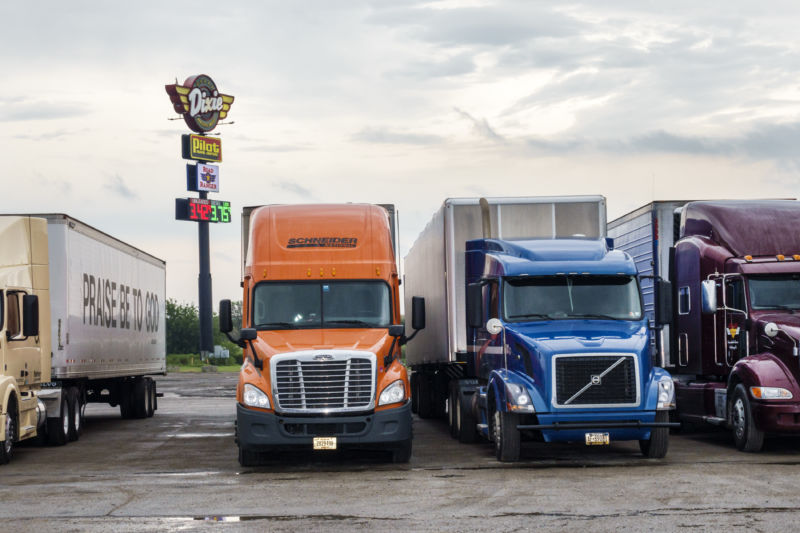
(392,101)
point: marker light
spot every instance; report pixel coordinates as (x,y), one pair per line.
(780,257)
(796,257)
(394,393)
(255,397)
(770,393)
(748,258)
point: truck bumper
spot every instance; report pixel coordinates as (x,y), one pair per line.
(619,426)
(777,418)
(259,431)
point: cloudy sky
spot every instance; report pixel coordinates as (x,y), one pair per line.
(393,101)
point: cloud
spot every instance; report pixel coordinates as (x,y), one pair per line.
(25,110)
(294,188)
(481,126)
(385,136)
(116,185)
(270,148)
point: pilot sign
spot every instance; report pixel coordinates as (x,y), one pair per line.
(202,177)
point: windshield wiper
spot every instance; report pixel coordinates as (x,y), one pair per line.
(532,315)
(354,322)
(596,315)
(287,325)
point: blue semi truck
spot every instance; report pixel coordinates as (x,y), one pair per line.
(529,326)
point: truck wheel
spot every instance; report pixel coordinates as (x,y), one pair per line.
(249,457)
(746,435)
(10,433)
(425,400)
(452,400)
(58,427)
(151,397)
(656,446)
(125,394)
(402,454)
(139,398)
(75,414)
(506,436)
(414,393)
(466,425)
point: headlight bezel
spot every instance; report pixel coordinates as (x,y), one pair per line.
(665,395)
(395,393)
(518,399)
(770,393)
(252,396)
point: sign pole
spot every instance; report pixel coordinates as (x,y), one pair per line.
(204,288)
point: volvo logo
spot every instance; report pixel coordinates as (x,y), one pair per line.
(596,380)
(323,357)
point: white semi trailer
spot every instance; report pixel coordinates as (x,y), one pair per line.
(81,320)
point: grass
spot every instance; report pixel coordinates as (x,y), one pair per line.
(222,368)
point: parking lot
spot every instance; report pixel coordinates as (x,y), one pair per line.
(179,471)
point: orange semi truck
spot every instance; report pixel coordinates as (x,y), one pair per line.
(321,332)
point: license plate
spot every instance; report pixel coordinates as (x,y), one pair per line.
(324,443)
(597,439)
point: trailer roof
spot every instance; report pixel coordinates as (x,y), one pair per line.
(746,227)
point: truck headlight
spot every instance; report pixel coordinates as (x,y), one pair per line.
(255,397)
(666,395)
(518,397)
(396,392)
(770,393)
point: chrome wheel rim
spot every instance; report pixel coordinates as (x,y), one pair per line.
(497,431)
(738,418)
(65,419)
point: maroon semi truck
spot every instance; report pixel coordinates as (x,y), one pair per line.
(732,343)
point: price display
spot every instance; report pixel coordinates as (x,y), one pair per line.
(202,210)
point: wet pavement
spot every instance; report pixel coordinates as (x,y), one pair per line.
(178,471)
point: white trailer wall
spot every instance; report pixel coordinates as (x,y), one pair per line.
(108,304)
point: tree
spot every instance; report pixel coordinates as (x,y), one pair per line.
(183,327)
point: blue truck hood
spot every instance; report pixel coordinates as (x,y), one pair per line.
(532,345)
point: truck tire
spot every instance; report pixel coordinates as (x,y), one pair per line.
(249,457)
(466,424)
(452,400)
(402,454)
(151,397)
(75,414)
(414,393)
(656,446)
(125,394)
(506,436)
(139,398)
(746,435)
(58,427)
(10,433)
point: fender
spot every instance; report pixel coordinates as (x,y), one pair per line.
(650,396)
(764,369)
(496,387)
(8,386)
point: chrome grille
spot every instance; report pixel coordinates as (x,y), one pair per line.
(595,380)
(330,381)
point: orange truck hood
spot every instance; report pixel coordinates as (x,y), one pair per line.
(376,341)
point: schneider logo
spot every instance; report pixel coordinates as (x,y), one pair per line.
(322,242)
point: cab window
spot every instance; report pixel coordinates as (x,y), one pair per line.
(13,323)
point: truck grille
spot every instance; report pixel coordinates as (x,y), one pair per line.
(324,382)
(595,380)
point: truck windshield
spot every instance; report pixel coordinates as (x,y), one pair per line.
(328,304)
(568,297)
(775,292)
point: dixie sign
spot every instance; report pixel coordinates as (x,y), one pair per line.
(200,103)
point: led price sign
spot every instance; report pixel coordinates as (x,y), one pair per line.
(202,210)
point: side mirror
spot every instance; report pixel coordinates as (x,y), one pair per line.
(248,334)
(474,308)
(397,330)
(770,329)
(225,320)
(664,309)
(708,290)
(417,312)
(30,315)
(494,326)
